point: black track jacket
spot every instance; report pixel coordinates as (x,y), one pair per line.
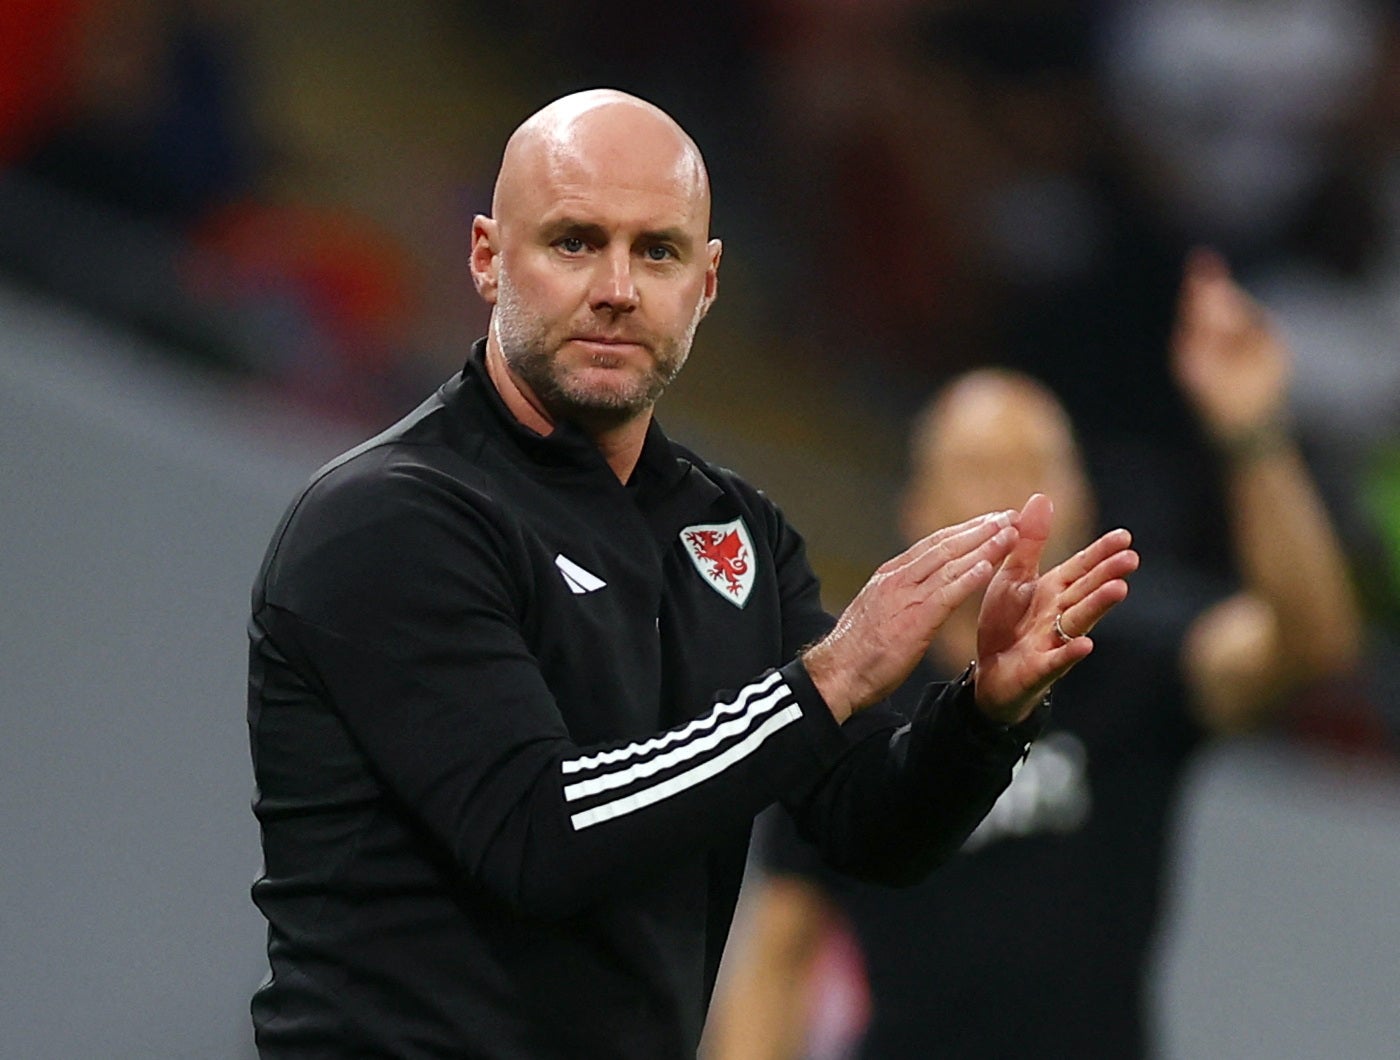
(511,721)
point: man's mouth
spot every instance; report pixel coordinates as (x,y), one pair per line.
(610,344)
(608,340)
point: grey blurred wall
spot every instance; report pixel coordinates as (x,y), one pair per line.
(134,506)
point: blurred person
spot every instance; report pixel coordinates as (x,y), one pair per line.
(1035,940)
(523,670)
(328,295)
(1335,290)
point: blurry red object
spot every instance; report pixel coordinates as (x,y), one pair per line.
(349,275)
(38,39)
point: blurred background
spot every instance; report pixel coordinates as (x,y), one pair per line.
(233,240)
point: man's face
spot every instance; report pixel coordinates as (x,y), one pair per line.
(602,273)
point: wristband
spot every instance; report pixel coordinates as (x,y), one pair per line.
(1262,439)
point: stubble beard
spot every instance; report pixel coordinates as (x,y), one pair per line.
(532,355)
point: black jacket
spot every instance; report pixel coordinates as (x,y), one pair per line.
(511,721)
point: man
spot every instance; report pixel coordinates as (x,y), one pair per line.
(1035,941)
(523,670)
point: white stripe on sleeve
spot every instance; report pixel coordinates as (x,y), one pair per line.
(639,770)
(735,706)
(681,781)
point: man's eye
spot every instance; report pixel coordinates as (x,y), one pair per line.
(659,252)
(571,245)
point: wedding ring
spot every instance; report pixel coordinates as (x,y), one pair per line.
(1065,638)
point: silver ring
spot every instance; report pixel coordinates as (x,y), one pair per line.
(1065,638)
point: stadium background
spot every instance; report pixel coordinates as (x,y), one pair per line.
(232,240)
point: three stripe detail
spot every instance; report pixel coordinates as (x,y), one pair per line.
(706,746)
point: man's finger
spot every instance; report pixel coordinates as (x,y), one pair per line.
(937,606)
(1059,661)
(1034,529)
(969,532)
(1091,555)
(1115,565)
(1078,619)
(991,552)
(989,534)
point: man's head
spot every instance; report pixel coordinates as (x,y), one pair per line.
(597,259)
(987,441)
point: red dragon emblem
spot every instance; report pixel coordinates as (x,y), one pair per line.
(727,556)
(723,554)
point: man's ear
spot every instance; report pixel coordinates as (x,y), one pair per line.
(713,250)
(485,257)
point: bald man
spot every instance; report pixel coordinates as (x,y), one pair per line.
(1035,942)
(523,669)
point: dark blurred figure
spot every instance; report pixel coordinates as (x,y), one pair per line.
(1036,941)
(1335,289)
(1273,129)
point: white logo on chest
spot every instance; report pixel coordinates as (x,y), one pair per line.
(578,580)
(723,554)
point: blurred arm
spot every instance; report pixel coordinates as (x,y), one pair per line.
(763,1006)
(1298,618)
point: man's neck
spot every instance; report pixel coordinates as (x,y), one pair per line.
(621,445)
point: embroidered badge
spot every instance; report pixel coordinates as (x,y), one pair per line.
(723,554)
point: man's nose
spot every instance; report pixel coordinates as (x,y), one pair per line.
(614,287)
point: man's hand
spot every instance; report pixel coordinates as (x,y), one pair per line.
(1020,650)
(1226,355)
(889,625)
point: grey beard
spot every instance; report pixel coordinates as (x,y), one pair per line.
(522,339)
(535,367)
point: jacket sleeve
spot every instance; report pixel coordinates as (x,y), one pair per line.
(904,794)
(400,609)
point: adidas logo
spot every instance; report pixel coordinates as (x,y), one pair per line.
(578,580)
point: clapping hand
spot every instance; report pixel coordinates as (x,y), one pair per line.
(888,627)
(1032,627)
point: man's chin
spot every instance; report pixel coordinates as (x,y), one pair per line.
(601,407)
(619,389)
